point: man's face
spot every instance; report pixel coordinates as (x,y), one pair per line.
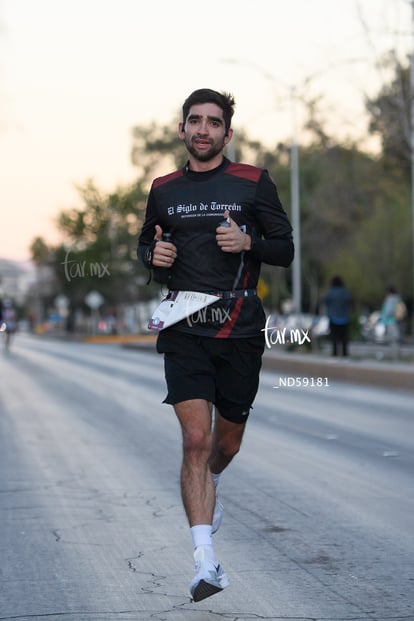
(204,132)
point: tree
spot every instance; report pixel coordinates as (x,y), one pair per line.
(338,190)
(155,147)
(99,249)
(376,255)
(39,250)
(390,115)
(43,291)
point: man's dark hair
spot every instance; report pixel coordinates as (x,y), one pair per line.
(337,281)
(225,101)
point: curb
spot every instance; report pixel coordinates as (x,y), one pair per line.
(396,375)
(386,375)
(125,339)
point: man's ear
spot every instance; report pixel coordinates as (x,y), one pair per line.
(228,136)
(181,129)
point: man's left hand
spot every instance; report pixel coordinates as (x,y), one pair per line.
(232,239)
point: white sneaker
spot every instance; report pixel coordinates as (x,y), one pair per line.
(217,516)
(209,579)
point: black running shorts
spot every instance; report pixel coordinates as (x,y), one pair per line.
(222,371)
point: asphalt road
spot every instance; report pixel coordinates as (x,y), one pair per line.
(319,504)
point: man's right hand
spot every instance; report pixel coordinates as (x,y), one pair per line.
(165,253)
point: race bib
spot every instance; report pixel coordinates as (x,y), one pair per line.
(179,305)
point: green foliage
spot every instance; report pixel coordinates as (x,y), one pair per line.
(99,247)
(156,149)
(378,254)
(39,250)
(390,115)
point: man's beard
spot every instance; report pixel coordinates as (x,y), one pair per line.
(204,156)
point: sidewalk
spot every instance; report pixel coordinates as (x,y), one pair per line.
(369,365)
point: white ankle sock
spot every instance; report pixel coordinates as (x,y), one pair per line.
(201,534)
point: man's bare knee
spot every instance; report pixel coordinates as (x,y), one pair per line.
(195,420)
(228,448)
(196,442)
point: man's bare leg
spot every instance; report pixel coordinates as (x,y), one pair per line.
(196,485)
(227,439)
(198,495)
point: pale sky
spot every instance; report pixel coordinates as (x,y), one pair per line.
(77,75)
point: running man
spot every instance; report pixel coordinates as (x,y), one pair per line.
(224,220)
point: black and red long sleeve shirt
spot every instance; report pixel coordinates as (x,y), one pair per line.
(191,205)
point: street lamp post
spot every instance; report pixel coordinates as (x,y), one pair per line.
(412,148)
(295,206)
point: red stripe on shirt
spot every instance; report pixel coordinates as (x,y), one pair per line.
(252,173)
(230,323)
(170,177)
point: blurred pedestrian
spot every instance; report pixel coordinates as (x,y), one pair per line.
(8,322)
(393,311)
(338,308)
